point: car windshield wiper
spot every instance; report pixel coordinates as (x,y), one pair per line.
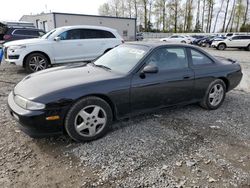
(102,66)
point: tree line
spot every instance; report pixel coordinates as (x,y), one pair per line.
(183,15)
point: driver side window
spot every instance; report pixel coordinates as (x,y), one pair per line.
(169,58)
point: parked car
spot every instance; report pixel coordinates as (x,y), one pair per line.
(237,41)
(208,41)
(10,31)
(197,40)
(62,45)
(130,79)
(177,39)
(205,39)
(197,36)
(139,36)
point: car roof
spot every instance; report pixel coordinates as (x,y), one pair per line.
(159,44)
(86,27)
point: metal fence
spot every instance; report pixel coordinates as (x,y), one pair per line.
(149,35)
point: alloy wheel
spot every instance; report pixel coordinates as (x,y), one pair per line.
(216,94)
(90,121)
(37,63)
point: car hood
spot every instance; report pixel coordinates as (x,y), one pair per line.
(24,42)
(58,79)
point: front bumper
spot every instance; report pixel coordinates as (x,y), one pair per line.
(13,57)
(34,123)
(214,44)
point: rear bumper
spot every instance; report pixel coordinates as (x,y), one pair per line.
(234,79)
(33,123)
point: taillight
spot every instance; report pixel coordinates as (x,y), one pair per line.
(7,37)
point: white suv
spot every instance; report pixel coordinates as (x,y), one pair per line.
(236,41)
(62,45)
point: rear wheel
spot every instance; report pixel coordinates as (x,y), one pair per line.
(221,47)
(183,42)
(214,96)
(248,48)
(36,62)
(89,119)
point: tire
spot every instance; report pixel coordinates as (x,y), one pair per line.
(184,42)
(36,62)
(221,46)
(214,98)
(248,48)
(97,115)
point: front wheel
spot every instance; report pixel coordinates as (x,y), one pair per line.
(36,62)
(221,47)
(89,119)
(214,96)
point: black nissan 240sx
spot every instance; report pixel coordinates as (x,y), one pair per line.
(83,100)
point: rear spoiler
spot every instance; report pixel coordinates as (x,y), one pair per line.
(232,60)
(228,59)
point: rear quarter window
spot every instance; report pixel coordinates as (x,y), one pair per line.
(199,58)
(96,34)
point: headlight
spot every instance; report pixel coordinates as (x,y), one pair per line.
(27,104)
(13,48)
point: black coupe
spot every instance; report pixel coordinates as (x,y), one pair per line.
(133,78)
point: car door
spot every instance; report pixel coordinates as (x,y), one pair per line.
(173,84)
(69,47)
(235,42)
(97,41)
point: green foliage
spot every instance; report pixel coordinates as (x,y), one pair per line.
(245,28)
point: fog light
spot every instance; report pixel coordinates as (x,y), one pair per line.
(51,118)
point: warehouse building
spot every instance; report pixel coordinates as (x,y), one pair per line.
(126,27)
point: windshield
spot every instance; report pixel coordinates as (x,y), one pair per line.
(121,59)
(46,36)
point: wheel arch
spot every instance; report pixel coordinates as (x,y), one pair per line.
(226,81)
(103,97)
(46,55)
(222,43)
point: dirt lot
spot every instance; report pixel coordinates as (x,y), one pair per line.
(180,147)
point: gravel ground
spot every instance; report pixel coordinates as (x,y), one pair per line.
(178,147)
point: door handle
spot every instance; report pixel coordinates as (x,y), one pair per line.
(186,77)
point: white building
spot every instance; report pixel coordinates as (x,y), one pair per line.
(126,27)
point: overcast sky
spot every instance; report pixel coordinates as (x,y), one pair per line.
(14,9)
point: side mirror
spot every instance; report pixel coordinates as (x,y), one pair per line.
(57,39)
(150,69)
(230,39)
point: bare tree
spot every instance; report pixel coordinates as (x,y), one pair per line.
(160,11)
(231,16)
(203,15)
(210,15)
(150,3)
(145,4)
(225,17)
(198,12)
(174,9)
(218,13)
(189,15)
(105,10)
(246,12)
(239,13)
